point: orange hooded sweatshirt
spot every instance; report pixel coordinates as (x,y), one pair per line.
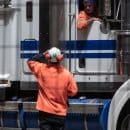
(55,85)
(82,20)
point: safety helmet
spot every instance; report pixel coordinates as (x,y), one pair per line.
(54,55)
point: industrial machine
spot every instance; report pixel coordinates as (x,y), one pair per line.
(98,57)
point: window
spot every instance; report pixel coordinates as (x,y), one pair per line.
(29,11)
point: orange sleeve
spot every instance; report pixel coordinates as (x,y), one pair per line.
(34,67)
(72,87)
(82,21)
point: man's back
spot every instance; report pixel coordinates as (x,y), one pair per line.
(55,85)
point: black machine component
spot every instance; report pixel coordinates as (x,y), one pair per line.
(5,3)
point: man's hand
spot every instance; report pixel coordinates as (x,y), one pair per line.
(96,19)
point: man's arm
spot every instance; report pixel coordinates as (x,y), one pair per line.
(72,86)
(35,63)
(83,21)
(37,57)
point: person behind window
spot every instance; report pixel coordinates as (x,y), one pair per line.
(56,84)
(88,15)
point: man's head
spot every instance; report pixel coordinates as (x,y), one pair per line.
(89,6)
(53,55)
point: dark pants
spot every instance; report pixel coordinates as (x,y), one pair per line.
(50,121)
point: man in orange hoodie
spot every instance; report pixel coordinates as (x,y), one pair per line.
(56,84)
(89,14)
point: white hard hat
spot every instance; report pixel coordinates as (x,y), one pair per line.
(53,55)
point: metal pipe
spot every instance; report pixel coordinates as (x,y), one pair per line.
(69,31)
(114,8)
(117,14)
